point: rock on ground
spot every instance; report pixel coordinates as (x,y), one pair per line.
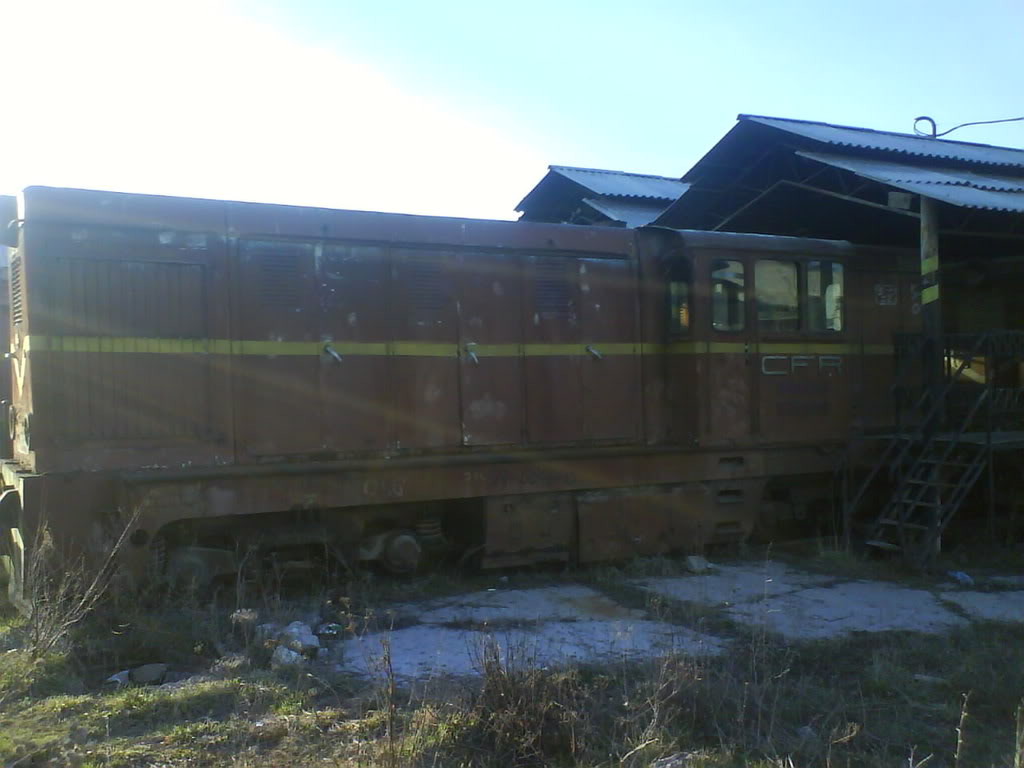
(119,679)
(300,638)
(284,658)
(149,674)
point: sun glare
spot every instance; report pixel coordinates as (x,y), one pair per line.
(193,99)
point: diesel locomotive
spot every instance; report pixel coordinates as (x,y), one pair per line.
(219,383)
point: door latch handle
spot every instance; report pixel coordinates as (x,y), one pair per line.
(471,352)
(331,351)
(594,352)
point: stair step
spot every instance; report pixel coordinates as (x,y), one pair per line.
(915,481)
(920,503)
(914,526)
(888,545)
(940,462)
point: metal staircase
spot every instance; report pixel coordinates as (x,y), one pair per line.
(939,474)
(942,445)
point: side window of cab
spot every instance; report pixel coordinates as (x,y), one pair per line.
(728,295)
(824,290)
(678,278)
(799,296)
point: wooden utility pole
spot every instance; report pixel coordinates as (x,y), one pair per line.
(932,350)
(931,306)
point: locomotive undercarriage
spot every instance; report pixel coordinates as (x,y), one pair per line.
(400,539)
(203,528)
(492,532)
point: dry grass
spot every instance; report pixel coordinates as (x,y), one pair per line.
(858,701)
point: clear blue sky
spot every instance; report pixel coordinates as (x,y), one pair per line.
(456,107)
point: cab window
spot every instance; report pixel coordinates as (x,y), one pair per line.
(728,292)
(679,298)
(824,290)
(778,295)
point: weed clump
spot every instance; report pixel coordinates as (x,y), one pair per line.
(522,713)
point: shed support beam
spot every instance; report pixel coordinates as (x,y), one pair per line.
(931,304)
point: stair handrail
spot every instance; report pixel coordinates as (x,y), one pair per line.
(899,498)
(951,443)
(938,403)
(936,407)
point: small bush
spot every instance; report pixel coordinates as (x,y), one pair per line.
(26,674)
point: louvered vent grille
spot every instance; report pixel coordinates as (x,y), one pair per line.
(551,289)
(132,390)
(427,289)
(280,271)
(17,302)
(280,286)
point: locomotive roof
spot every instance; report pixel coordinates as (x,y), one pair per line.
(243,219)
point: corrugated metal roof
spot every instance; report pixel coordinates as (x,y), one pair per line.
(621,184)
(633,213)
(922,146)
(956,186)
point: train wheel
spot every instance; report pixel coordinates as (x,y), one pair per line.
(198,567)
(402,553)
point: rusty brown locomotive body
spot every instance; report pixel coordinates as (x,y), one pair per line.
(232,378)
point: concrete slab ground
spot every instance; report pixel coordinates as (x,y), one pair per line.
(856,606)
(1016,580)
(544,627)
(429,650)
(555,625)
(992,606)
(729,584)
(563,603)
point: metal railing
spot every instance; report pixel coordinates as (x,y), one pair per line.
(979,392)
